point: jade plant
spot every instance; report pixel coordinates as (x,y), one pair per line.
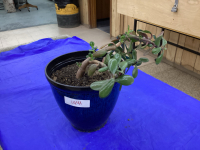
(119,56)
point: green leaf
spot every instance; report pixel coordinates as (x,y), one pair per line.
(118,57)
(92,69)
(135,72)
(139,63)
(99,53)
(131,61)
(156,50)
(107,59)
(164,42)
(97,85)
(154,37)
(157,41)
(146,31)
(143,59)
(158,60)
(106,88)
(120,49)
(130,46)
(139,30)
(134,54)
(92,44)
(113,65)
(103,69)
(123,65)
(125,80)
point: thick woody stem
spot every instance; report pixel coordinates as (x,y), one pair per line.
(86,62)
(144,40)
(81,70)
(97,62)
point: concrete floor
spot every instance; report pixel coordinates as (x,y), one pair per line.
(166,73)
(22,19)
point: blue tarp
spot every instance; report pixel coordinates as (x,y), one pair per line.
(148,115)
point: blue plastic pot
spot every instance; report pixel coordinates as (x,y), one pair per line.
(72,98)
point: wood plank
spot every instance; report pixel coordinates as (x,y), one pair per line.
(178,57)
(166,36)
(111,19)
(151,28)
(92,13)
(171,51)
(179,51)
(83,5)
(103,9)
(130,21)
(182,39)
(188,60)
(141,25)
(186,20)
(121,24)
(125,24)
(192,43)
(174,37)
(114,16)
(197,65)
(158,31)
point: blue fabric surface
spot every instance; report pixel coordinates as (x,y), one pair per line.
(148,115)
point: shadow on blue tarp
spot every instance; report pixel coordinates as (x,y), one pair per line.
(149,114)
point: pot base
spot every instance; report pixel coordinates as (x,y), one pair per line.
(93,130)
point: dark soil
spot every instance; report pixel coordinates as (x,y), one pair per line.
(67,75)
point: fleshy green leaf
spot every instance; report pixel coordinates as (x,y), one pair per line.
(157,41)
(146,31)
(120,49)
(143,59)
(113,65)
(158,60)
(131,61)
(118,57)
(123,65)
(164,42)
(103,69)
(139,63)
(107,59)
(106,88)
(92,69)
(156,50)
(97,85)
(134,54)
(125,80)
(99,53)
(92,44)
(135,72)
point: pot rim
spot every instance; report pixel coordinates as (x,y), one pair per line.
(65,85)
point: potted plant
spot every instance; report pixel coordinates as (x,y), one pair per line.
(86,86)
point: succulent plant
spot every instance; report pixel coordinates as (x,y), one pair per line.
(118,58)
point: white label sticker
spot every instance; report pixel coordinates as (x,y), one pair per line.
(77,102)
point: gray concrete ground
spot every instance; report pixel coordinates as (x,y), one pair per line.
(174,77)
(21,19)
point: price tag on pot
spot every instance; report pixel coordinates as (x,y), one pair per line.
(77,103)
